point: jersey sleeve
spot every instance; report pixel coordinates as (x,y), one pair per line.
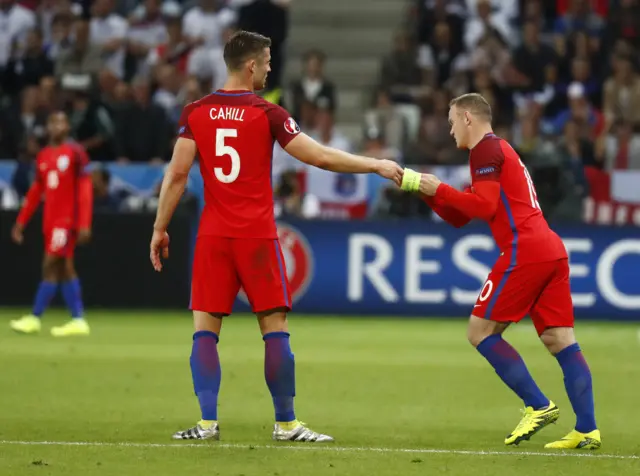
(486,161)
(184,130)
(283,127)
(81,160)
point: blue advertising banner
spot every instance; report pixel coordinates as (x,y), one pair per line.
(412,268)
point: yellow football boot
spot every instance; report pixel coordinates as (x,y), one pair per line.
(26,325)
(532,422)
(75,327)
(577,441)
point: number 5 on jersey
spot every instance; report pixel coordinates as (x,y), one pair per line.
(221,150)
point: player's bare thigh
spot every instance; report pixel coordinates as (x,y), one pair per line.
(479,329)
(556,339)
(273,320)
(52,268)
(205,321)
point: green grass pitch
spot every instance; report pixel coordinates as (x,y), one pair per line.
(401,397)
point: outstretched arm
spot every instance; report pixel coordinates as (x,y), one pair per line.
(452,216)
(481,203)
(307,150)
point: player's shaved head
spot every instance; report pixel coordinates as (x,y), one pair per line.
(243,46)
(474,103)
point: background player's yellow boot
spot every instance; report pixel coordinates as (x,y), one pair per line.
(577,441)
(75,327)
(26,325)
(532,422)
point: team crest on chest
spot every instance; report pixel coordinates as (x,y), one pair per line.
(63,163)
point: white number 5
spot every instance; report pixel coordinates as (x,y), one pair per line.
(221,150)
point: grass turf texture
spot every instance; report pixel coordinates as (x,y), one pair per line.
(400,396)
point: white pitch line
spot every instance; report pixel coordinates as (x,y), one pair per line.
(327,448)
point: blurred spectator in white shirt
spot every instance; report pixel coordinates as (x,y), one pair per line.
(109,33)
(622,148)
(147,30)
(441,58)
(385,117)
(313,86)
(175,50)
(204,24)
(166,94)
(326,132)
(15,23)
(488,23)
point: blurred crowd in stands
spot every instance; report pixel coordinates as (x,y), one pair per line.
(561,76)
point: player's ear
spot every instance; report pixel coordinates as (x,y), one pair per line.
(467,118)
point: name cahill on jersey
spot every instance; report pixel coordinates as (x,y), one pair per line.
(227,113)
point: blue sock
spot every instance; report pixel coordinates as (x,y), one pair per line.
(577,381)
(279,372)
(73,297)
(44,294)
(512,370)
(206,372)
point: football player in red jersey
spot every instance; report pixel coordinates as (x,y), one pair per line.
(233,131)
(531,275)
(61,180)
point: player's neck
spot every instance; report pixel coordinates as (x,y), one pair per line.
(237,84)
(56,143)
(479,134)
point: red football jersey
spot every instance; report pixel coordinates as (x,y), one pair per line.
(519,228)
(234,132)
(58,172)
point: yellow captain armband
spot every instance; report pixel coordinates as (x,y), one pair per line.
(410,180)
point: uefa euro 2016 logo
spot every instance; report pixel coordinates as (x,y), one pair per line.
(298,261)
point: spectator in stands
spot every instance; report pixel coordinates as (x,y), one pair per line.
(622,93)
(399,71)
(61,35)
(205,23)
(291,202)
(491,54)
(622,148)
(91,125)
(434,144)
(166,94)
(385,117)
(15,22)
(108,31)
(589,120)
(271,19)
(439,59)
(146,31)
(326,132)
(104,199)
(624,22)
(143,131)
(486,23)
(28,69)
(375,145)
(207,64)
(81,58)
(30,120)
(313,87)
(175,50)
(532,58)
(432,12)
(578,18)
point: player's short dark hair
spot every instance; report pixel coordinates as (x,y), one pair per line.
(244,45)
(475,103)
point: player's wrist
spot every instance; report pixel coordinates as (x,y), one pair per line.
(159,228)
